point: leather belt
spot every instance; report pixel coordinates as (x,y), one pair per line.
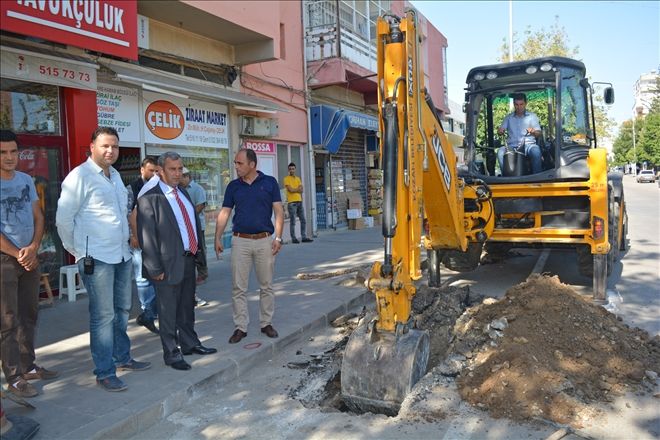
(252,236)
(188,254)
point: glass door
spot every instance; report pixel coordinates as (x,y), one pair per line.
(44,164)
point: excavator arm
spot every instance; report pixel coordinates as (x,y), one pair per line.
(386,356)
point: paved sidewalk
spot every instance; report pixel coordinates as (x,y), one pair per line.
(74,407)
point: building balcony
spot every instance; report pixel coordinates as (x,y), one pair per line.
(341,57)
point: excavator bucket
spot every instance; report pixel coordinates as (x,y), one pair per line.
(380,368)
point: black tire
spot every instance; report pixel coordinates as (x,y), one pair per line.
(463,261)
(613,236)
(585,261)
(623,245)
(497,247)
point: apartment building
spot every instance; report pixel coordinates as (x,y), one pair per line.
(340,54)
(644,90)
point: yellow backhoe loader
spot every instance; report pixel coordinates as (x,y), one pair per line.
(455,209)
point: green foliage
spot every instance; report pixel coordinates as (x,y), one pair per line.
(647,136)
(648,146)
(553,42)
(539,43)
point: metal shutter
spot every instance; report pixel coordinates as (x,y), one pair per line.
(353,174)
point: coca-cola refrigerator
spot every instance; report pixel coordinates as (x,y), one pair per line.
(44,164)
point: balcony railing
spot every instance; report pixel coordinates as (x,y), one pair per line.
(322,42)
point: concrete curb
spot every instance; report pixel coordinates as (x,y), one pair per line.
(131,420)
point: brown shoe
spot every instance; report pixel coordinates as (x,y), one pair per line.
(237,336)
(22,388)
(269,331)
(40,373)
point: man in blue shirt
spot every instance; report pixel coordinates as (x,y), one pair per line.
(22,227)
(520,126)
(254,197)
(92,221)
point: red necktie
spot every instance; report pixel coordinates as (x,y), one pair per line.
(192,242)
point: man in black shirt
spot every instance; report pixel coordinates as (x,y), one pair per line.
(146,292)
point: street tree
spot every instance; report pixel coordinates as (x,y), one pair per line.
(554,42)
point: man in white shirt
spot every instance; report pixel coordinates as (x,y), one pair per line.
(92,223)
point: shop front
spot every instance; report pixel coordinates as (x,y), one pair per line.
(342,140)
(33,104)
(48,91)
(160,112)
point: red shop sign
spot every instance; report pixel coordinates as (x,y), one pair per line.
(260,146)
(106,26)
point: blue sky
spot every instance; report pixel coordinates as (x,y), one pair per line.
(617,40)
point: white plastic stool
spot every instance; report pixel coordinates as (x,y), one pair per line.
(74,285)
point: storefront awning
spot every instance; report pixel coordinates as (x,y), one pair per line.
(178,85)
(330,125)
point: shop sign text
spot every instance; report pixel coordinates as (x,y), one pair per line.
(164,120)
(60,72)
(186,122)
(117,107)
(107,26)
(260,146)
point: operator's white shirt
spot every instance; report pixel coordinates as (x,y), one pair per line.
(516,127)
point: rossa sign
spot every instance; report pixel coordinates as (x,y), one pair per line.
(164,119)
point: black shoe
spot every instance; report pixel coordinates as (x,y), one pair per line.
(180,365)
(237,336)
(294,240)
(307,240)
(200,349)
(269,331)
(147,323)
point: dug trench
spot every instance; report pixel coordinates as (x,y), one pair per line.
(540,353)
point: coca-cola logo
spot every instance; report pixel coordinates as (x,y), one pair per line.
(26,155)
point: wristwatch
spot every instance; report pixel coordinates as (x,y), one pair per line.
(278,239)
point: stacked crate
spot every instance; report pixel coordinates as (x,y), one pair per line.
(375,194)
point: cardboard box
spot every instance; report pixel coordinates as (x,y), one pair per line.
(375,211)
(377,173)
(353,213)
(378,219)
(369,222)
(353,184)
(354,200)
(357,223)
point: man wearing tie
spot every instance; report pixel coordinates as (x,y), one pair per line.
(168,231)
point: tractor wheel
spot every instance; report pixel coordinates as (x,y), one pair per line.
(463,261)
(585,261)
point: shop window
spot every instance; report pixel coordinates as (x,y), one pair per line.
(29,108)
(209,167)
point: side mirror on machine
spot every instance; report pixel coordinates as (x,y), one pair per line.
(608,95)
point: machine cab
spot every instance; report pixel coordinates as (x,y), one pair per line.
(558,115)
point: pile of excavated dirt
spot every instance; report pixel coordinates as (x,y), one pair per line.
(543,351)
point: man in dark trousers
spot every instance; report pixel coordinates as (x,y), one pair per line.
(168,231)
(145,289)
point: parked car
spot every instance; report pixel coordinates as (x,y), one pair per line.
(646,176)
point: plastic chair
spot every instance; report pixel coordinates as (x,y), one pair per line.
(74,285)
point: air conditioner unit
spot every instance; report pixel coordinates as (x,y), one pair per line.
(263,127)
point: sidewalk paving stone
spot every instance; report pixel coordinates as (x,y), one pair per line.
(74,407)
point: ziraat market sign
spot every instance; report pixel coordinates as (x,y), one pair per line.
(172,121)
(106,26)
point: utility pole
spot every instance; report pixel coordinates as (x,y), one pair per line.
(510,31)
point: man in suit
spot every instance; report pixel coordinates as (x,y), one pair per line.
(169,231)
